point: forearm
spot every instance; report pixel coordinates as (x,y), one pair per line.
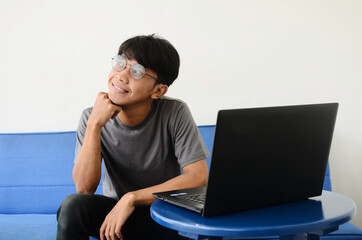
(87,168)
(189,179)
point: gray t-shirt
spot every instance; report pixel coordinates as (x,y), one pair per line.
(150,153)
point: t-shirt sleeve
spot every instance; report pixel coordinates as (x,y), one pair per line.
(189,145)
(82,126)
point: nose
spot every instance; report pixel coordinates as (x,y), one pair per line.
(123,76)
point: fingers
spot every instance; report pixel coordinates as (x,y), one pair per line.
(112,225)
(102,96)
(115,107)
(118,232)
(102,231)
(103,110)
(112,106)
(110,232)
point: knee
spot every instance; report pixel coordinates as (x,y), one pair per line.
(70,211)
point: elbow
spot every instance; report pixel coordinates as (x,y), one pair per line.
(200,179)
(204,178)
(198,173)
(85,190)
(203,175)
(86,187)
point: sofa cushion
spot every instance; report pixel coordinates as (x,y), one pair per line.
(28,226)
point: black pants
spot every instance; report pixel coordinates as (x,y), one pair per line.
(82,215)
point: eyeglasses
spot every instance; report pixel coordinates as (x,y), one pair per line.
(137,71)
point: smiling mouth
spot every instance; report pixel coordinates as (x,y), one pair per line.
(119,89)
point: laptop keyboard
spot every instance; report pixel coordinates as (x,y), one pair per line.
(198,198)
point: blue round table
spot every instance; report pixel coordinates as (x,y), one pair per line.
(299,220)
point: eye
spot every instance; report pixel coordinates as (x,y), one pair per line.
(119,63)
(137,71)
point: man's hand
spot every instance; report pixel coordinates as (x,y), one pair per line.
(103,110)
(195,175)
(112,225)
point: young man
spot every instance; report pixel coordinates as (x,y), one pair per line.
(144,139)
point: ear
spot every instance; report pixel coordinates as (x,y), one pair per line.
(159,91)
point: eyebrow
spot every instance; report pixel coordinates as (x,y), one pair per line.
(127,59)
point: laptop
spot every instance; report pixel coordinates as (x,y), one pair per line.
(263,157)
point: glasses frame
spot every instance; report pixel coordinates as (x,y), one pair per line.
(114,59)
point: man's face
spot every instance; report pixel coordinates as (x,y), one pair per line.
(126,91)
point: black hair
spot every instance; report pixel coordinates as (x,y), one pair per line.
(155,53)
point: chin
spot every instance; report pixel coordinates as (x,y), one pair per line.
(114,98)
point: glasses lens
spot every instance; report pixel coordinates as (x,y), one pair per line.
(137,71)
(118,63)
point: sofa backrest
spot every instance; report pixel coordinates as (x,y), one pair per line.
(36,170)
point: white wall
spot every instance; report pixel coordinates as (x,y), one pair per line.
(55,57)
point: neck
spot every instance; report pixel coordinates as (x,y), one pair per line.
(132,116)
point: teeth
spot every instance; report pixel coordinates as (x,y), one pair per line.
(120,89)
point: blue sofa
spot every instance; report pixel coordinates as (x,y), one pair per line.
(36,175)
